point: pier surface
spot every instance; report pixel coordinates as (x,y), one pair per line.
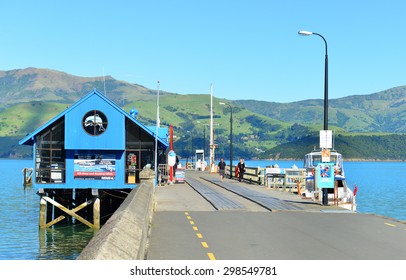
(205,218)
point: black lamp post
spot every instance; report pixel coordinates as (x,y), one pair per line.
(231,138)
(191,145)
(308,33)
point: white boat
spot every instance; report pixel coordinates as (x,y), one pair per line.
(341,194)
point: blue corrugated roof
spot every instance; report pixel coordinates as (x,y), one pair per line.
(162,133)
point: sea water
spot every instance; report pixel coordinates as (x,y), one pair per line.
(21,238)
(381,185)
(381,191)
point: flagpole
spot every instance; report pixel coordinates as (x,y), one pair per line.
(212,164)
(156,136)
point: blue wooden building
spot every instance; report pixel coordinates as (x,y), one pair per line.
(93,145)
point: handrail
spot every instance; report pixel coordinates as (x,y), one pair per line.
(292,178)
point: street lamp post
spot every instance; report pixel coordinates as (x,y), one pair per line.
(308,33)
(231,138)
(191,145)
(156,166)
(204,139)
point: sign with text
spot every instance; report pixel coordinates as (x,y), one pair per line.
(326,139)
(95,167)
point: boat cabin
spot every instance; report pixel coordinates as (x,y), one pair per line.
(314,158)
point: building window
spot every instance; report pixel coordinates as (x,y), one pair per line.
(50,155)
(94,122)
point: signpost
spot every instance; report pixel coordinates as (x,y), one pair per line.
(326,143)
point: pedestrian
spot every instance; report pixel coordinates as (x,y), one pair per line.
(175,166)
(241,169)
(221,168)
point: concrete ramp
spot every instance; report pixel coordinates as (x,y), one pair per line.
(218,200)
(266,201)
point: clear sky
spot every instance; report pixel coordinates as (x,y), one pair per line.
(247,49)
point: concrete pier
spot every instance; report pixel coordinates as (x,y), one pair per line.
(230,220)
(124,236)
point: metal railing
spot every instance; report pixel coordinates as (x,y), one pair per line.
(163,173)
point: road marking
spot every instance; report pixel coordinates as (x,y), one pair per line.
(391,225)
(200,236)
(211,256)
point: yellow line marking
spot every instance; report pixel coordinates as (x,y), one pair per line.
(211,256)
(200,236)
(391,225)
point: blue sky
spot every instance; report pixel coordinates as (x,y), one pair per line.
(247,49)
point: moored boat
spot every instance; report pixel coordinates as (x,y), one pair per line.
(340,194)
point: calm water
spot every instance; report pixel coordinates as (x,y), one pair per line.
(381,185)
(21,238)
(381,190)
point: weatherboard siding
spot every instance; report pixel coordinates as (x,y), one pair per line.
(77,138)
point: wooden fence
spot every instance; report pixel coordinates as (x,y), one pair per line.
(287,179)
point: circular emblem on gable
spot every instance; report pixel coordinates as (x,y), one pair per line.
(94,122)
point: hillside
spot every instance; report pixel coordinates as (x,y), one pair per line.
(379,112)
(30,97)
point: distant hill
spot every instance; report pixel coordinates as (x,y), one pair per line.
(379,112)
(32,84)
(30,97)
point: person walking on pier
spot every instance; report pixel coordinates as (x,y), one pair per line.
(241,169)
(221,168)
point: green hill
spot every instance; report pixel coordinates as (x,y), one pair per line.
(379,112)
(30,97)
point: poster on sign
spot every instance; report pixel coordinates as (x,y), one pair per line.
(95,167)
(325,175)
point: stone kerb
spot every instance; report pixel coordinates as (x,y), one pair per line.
(125,234)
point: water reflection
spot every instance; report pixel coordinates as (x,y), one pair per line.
(63,242)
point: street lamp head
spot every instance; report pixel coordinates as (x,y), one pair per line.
(305,33)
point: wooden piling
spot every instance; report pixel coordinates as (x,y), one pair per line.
(27,177)
(42,213)
(96,213)
(52,211)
